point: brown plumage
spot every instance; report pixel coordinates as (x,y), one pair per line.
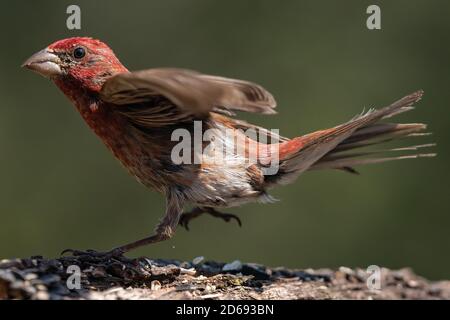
(136,114)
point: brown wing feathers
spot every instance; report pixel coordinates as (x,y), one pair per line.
(244,95)
(190,93)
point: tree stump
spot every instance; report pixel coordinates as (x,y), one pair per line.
(123,278)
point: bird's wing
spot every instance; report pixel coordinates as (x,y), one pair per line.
(191,92)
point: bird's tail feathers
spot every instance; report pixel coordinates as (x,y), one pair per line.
(329,149)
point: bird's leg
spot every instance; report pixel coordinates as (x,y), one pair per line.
(197,211)
(164,231)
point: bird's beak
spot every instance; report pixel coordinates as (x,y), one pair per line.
(45,63)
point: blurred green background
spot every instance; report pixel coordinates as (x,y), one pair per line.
(61,188)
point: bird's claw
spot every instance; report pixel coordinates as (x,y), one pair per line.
(227,217)
(184,221)
(115,253)
(188,216)
(76,253)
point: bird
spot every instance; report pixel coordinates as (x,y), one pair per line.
(136,113)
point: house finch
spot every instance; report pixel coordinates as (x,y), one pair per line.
(136,114)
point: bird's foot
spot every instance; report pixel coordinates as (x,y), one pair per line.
(95,255)
(227,217)
(194,213)
(186,217)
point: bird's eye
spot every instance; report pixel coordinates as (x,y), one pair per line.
(79,53)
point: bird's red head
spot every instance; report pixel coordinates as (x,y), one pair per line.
(86,62)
